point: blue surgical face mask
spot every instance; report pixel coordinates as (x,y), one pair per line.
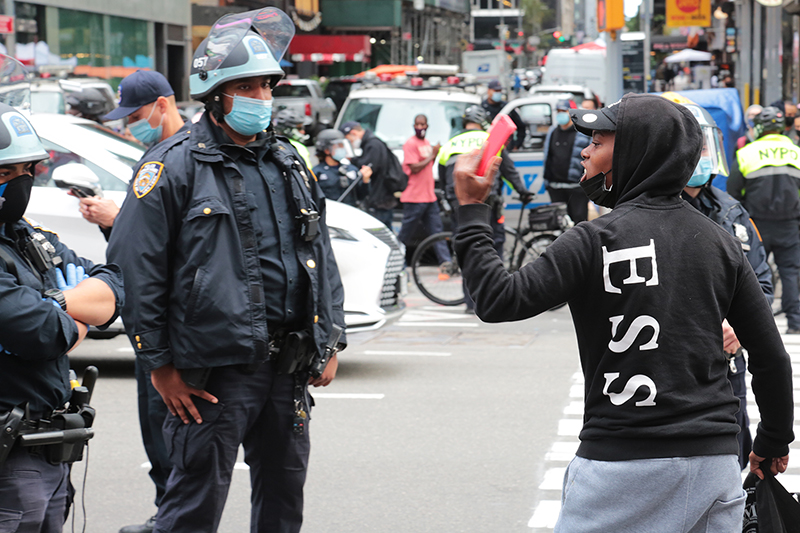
(249,116)
(144,132)
(339,153)
(702,173)
(497,96)
(562,119)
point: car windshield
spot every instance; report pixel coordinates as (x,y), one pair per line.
(128,152)
(48,102)
(576,95)
(293,91)
(392,119)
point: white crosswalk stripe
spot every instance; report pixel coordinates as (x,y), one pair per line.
(545,511)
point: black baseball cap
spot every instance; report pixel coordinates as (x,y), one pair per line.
(495,85)
(588,120)
(139,89)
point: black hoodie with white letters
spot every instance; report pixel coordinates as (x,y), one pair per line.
(648,286)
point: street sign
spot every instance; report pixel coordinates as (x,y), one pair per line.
(6,24)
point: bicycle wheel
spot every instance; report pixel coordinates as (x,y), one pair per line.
(509,248)
(532,249)
(441,284)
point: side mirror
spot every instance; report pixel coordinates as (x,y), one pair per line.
(78,178)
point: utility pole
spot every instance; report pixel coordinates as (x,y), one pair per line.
(11,38)
(647,17)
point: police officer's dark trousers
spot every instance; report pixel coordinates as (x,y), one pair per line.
(781,237)
(33,493)
(256,410)
(152,413)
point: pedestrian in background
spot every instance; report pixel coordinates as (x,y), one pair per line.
(143,93)
(420,206)
(290,124)
(562,169)
(750,115)
(234,288)
(766,179)
(334,174)
(385,183)
(648,286)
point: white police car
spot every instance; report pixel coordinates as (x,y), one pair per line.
(369,256)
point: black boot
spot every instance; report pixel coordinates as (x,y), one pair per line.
(147,527)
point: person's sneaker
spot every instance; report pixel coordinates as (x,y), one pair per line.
(793,331)
(444,270)
(147,527)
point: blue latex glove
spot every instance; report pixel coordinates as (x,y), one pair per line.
(74,276)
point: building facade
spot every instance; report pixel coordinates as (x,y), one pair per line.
(104,38)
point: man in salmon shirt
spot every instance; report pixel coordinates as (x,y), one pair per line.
(420,207)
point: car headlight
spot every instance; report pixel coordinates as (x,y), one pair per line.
(341,234)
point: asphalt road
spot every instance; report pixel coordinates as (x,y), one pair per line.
(438,423)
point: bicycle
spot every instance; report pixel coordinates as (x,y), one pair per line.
(443,283)
(545,224)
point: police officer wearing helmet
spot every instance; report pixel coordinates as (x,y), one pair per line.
(48,297)
(766,179)
(290,125)
(235,293)
(334,172)
(474,121)
(732,216)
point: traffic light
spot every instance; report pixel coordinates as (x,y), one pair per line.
(559,37)
(520,34)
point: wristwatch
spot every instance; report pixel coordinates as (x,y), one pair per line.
(58,296)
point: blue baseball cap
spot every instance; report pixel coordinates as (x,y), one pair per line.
(349,126)
(139,89)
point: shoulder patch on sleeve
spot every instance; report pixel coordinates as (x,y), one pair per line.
(147,177)
(37,226)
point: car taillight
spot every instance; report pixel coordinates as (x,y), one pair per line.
(308,110)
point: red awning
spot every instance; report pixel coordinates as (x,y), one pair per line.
(330,48)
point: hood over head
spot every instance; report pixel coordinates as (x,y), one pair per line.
(657,146)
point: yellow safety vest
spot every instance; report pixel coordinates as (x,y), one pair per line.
(773,150)
(461,144)
(303,151)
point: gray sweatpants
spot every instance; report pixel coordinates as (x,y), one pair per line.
(678,494)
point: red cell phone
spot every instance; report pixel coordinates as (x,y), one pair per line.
(501,130)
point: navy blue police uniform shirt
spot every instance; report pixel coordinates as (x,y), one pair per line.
(35,335)
(285,283)
(329,179)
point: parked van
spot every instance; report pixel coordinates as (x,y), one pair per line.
(577,67)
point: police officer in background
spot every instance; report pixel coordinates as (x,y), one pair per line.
(146,98)
(47,303)
(766,179)
(335,174)
(289,124)
(475,123)
(235,296)
(494,103)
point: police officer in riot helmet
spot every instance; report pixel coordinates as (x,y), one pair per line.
(734,218)
(236,305)
(48,298)
(335,173)
(289,124)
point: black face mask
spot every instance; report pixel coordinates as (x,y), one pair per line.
(789,121)
(15,198)
(595,189)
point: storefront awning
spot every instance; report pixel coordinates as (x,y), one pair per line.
(330,48)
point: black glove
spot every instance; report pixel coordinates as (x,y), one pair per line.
(527,197)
